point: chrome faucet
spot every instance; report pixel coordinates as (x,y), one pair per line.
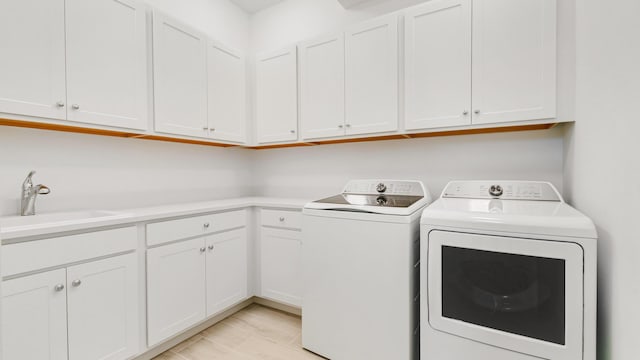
(29,194)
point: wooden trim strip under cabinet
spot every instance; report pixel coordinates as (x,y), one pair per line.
(124,134)
(416,135)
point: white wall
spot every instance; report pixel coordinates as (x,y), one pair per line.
(220,19)
(97,172)
(314,172)
(602,175)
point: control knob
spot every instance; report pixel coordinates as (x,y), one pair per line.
(495,190)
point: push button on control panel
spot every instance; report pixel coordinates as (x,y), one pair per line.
(381,188)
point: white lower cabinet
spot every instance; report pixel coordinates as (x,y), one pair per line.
(95,303)
(191,280)
(281,252)
(34,317)
(102,302)
(226,270)
(175,288)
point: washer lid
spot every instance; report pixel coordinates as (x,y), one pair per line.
(392,197)
(538,216)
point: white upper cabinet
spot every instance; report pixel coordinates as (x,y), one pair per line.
(226,94)
(226,270)
(180,78)
(103,305)
(32,65)
(514,60)
(322,87)
(372,76)
(34,317)
(277,96)
(107,63)
(438,64)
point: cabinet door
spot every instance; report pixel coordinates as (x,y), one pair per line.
(372,76)
(34,317)
(226,270)
(277,96)
(107,63)
(226,94)
(180,78)
(514,60)
(322,87)
(438,64)
(103,309)
(32,78)
(175,288)
(281,252)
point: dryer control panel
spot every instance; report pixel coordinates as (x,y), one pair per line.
(505,190)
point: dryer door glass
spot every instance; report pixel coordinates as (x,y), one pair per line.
(519,294)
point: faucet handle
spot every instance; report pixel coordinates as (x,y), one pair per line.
(42,189)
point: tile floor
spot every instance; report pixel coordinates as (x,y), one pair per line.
(254,333)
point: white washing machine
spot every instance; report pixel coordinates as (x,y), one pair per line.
(508,272)
(360,270)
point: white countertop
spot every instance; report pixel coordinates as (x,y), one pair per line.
(139,215)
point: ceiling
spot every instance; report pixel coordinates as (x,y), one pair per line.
(349,3)
(252,6)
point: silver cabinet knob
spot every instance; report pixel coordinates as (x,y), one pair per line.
(203,249)
(212,129)
(205,128)
(206,225)
(210,247)
(75,107)
(292,131)
(465,113)
(340,126)
(76,283)
(348,125)
(60,104)
(477,111)
(281,219)
(58,287)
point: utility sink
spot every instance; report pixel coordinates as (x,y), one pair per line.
(61,218)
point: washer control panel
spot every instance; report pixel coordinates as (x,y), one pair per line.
(506,190)
(385,187)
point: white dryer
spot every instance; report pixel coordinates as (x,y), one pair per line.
(508,272)
(360,270)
